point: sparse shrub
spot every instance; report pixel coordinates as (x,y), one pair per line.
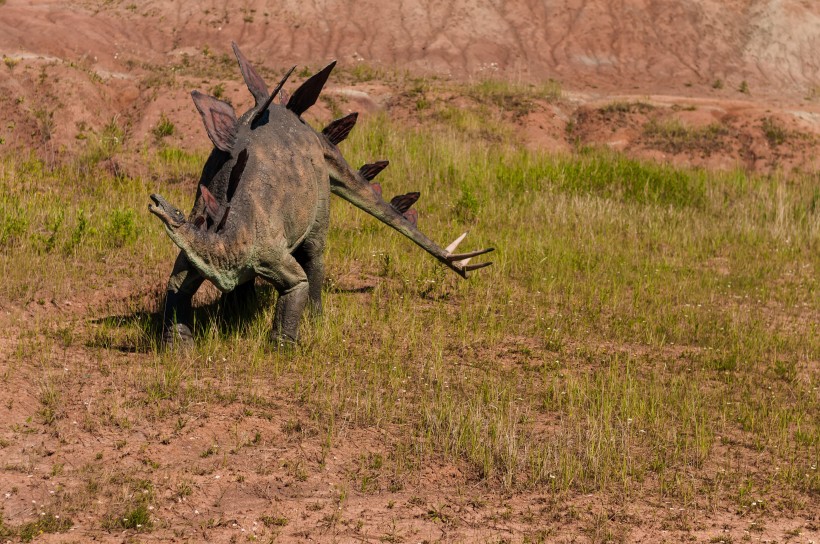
(105,144)
(53,225)
(163,128)
(45,123)
(785,370)
(218,90)
(723,362)
(362,72)
(5,531)
(10,62)
(13,223)
(332,104)
(673,136)
(138,518)
(627,107)
(717,84)
(51,409)
(466,207)
(121,228)
(515,98)
(775,133)
(744,87)
(274,521)
(175,155)
(48,523)
(80,232)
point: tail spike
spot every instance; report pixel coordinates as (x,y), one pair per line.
(454,244)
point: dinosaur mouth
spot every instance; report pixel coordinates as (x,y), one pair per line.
(169,215)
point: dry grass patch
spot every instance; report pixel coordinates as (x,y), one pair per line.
(646,333)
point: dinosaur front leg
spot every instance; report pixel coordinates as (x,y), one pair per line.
(177,318)
(291,282)
(239,304)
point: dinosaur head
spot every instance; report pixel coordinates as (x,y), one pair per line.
(189,236)
(171,216)
(184,233)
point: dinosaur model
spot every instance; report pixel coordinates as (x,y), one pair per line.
(262,207)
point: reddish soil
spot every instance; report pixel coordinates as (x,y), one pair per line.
(73,66)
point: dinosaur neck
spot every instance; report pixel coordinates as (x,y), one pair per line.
(207,253)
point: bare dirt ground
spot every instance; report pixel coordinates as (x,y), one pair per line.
(745,72)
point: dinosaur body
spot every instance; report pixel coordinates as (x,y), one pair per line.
(263,206)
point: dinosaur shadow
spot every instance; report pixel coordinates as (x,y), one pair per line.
(140,331)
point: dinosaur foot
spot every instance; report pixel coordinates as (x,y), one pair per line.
(177,336)
(283,343)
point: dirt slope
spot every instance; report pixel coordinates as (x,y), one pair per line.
(71,67)
(653,44)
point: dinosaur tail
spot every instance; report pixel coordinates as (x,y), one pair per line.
(356,188)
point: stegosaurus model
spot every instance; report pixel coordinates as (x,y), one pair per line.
(263,202)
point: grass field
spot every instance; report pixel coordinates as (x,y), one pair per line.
(646,336)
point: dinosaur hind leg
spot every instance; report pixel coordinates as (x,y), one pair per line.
(310,256)
(177,318)
(291,282)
